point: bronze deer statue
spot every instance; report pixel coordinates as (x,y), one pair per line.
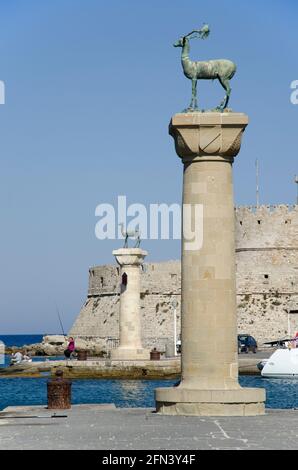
(220,69)
(136,234)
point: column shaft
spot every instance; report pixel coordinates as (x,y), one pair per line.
(209,333)
(129,321)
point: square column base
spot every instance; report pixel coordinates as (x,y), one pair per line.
(187,402)
(125,354)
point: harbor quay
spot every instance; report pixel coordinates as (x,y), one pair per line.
(107,369)
(101,427)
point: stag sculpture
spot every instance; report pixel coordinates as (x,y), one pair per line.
(221,69)
(136,234)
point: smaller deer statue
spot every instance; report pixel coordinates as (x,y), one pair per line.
(136,234)
(220,69)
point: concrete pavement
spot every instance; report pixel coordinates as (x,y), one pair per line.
(107,427)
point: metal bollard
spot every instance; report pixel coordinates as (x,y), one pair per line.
(59,392)
(82,355)
(154,355)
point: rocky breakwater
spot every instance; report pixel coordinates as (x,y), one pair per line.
(54,345)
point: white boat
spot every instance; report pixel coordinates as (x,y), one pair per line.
(283,363)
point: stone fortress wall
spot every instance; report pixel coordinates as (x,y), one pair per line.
(267,285)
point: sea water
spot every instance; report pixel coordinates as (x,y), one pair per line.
(281,393)
(20,340)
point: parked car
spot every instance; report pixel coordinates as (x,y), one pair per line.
(247,343)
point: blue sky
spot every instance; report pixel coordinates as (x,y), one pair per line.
(90,89)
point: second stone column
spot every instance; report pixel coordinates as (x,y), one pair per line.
(130,346)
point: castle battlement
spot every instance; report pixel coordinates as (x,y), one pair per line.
(278,209)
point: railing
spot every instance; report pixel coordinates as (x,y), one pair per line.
(112,342)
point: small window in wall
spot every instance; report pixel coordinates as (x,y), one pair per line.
(101,281)
(124,279)
(123,283)
(266,276)
(240,222)
(288,221)
(259,222)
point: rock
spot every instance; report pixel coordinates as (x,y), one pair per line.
(55,340)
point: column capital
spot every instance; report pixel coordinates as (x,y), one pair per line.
(130,256)
(207,136)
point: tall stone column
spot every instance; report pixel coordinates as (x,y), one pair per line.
(130,346)
(207,144)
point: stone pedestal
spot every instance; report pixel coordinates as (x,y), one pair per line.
(207,144)
(130,346)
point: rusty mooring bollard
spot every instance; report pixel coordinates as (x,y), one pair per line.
(82,355)
(154,355)
(59,392)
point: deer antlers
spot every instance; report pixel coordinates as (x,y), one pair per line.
(202,33)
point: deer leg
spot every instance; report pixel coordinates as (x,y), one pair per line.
(194,101)
(226,85)
(195,94)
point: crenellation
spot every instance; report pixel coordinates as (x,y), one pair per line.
(269,208)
